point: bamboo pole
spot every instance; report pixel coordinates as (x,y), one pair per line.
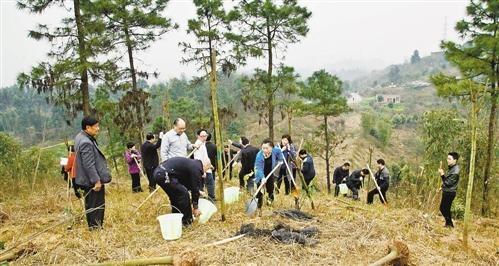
(168,260)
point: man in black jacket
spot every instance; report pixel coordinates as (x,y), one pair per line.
(307,168)
(354,182)
(383,180)
(449,186)
(248,156)
(211,149)
(150,158)
(177,176)
(340,174)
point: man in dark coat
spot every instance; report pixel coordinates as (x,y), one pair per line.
(150,159)
(177,176)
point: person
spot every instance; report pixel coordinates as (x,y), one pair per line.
(132,158)
(177,176)
(150,160)
(229,155)
(289,151)
(211,149)
(307,168)
(354,181)
(248,157)
(92,172)
(268,159)
(175,142)
(70,170)
(449,186)
(339,176)
(382,177)
(202,154)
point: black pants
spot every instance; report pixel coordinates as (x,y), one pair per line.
(241,178)
(95,199)
(354,187)
(284,177)
(269,186)
(445,205)
(150,177)
(136,182)
(308,180)
(179,198)
(370,195)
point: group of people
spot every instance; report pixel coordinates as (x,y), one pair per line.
(185,176)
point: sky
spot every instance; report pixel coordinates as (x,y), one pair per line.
(344,35)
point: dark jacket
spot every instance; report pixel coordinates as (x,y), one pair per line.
(339,174)
(383,178)
(90,162)
(308,168)
(149,153)
(185,171)
(248,156)
(355,177)
(450,179)
(211,149)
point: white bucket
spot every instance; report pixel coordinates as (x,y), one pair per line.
(171,225)
(207,209)
(231,195)
(343,189)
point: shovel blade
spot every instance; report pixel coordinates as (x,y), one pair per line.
(295,193)
(251,206)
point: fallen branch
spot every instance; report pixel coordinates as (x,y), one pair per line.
(399,255)
(14,254)
(227,240)
(168,260)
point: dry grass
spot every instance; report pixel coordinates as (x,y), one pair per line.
(348,236)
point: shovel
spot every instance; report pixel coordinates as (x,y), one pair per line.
(295,192)
(251,205)
(376,184)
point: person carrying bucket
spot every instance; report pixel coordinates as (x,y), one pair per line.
(177,176)
(340,174)
(266,160)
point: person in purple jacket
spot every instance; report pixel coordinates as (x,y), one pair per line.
(132,158)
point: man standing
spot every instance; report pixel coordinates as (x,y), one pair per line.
(267,159)
(307,168)
(340,174)
(150,158)
(175,142)
(91,171)
(202,155)
(177,176)
(449,186)
(248,155)
(211,149)
(383,180)
(354,182)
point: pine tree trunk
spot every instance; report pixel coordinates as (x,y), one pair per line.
(270,92)
(289,122)
(326,136)
(130,56)
(469,190)
(490,149)
(218,135)
(85,94)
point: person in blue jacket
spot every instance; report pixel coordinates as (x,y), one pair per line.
(268,159)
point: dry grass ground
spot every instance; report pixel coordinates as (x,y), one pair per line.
(348,235)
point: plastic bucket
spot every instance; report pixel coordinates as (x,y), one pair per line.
(343,189)
(231,195)
(171,225)
(207,209)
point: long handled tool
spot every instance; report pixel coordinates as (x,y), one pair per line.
(295,190)
(376,184)
(251,205)
(140,168)
(156,190)
(233,158)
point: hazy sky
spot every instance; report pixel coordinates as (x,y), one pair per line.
(352,34)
